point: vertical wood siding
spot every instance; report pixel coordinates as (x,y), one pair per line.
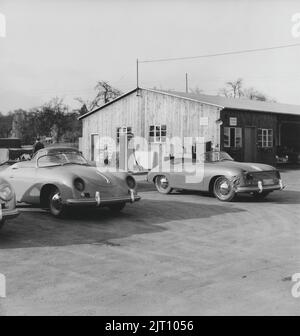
(181,116)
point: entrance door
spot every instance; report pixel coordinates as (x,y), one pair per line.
(250,144)
(95,150)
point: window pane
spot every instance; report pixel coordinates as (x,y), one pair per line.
(226,137)
(238,137)
(232,137)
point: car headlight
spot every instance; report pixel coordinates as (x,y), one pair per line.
(79,184)
(130,182)
(6,193)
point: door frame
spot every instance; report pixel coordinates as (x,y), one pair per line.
(93,145)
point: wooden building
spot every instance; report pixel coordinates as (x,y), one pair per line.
(249,130)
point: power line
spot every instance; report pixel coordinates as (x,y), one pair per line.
(220,54)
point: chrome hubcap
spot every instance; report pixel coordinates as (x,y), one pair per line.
(223,188)
(56,201)
(163,183)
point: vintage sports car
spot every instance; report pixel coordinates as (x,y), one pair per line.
(58,178)
(7,202)
(222,176)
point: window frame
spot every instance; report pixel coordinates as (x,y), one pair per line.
(265,137)
(157,133)
(227,142)
(128,131)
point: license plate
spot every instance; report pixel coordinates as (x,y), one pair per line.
(268,182)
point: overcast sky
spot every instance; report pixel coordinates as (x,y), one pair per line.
(62,47)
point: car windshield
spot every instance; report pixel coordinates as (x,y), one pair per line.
(61,159)
(216,156)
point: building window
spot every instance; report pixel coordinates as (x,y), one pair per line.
(128,131)
(158,133)
(233,137)
(265,137)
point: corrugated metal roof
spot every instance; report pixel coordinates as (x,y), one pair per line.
(240,104)
(222,102)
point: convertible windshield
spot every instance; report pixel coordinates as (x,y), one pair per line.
(61,159)
(216,156)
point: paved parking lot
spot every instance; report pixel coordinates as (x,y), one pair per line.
(184,253)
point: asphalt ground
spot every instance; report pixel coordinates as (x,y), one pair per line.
(184,253)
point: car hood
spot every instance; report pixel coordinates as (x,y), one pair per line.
(246,166)
(90,174)
(3,181)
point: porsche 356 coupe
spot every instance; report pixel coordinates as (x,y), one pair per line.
(221,176)
(7,202)
(59,178)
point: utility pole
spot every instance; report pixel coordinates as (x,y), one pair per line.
(186,83)
(137,73)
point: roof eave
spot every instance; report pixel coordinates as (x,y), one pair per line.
(107,104)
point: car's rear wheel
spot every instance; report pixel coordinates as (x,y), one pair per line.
(223,189)
(56,206)
(2,223)
(162,184)
(260,196)
(117,207)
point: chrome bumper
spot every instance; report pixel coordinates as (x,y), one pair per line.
(98,201)
(9,214)
(259,188)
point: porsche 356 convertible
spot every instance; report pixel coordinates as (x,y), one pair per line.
(59,178)
(218,174)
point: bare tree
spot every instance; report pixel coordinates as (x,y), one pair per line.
(104,94)
(254,94)
(196,90)
(233,89)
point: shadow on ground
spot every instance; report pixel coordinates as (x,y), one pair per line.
(98,226)
(278,197)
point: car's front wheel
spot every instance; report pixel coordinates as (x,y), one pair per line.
(162,184)
(56,206)
(2,223)
(223,189)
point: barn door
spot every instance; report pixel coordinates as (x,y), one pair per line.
(250,144)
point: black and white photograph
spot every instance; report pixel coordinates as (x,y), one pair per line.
(149,160)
